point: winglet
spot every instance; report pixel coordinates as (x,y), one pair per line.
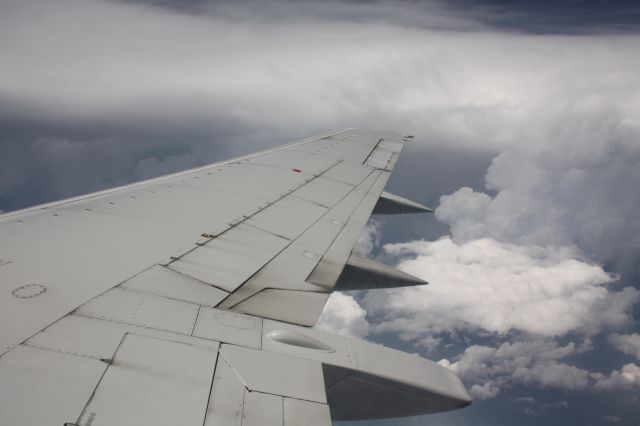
(394,204)
(361,273)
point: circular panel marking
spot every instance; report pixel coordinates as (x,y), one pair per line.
(28,290)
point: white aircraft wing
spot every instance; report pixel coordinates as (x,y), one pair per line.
(186,300)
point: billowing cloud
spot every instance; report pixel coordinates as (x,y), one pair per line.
(369,239)
(626,343)
(559,194)
(627,378)
(343,315)
(537,363)
(484,285)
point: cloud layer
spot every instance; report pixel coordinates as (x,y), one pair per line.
(343,315)
(536,363)
(626,343)
(107,74)
(484,285)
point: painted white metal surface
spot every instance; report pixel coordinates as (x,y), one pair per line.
(390,145)
(98,338)
(317,146)
(379,158)
(300,307)
(227,397)
(229,327)
(394,204)
(290,269)
(143,309)
(245,179)
(407,369)
(306,163)
(40,387)
(361,273)
(287,271)
(351,173)
(329,269)
(155,382)
(229,260)
(298,412)
(325,191)
(340,354)
(262,409)
(162,281)
(288,217)
(276,374)
(166,206)
(81,247)
(365,380)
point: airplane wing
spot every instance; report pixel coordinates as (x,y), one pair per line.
(187,299)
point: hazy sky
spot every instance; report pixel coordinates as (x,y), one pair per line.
(527,124)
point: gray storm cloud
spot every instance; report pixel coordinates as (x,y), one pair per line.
(116,76)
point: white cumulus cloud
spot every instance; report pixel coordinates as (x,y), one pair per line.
(627,378)
(626,343)
(537,363)
(485,285)
(343,315)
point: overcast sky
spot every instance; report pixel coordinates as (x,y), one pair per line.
(527,124)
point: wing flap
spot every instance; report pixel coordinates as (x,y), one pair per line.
(162,281)
(262,409)
(153,381)
(299,412)
(230,259)
(295,306)
(34,393)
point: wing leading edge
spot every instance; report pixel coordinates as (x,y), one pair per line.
(185,299)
